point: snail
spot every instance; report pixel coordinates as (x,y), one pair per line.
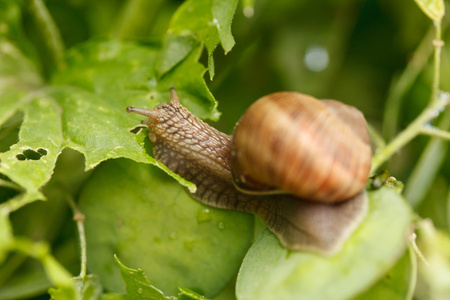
(298,163)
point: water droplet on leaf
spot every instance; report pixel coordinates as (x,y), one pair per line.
(203,215)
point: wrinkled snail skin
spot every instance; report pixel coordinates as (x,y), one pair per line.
(203,155)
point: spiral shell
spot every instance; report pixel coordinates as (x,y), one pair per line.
(316,150)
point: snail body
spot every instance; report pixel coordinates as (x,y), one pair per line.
(230,174)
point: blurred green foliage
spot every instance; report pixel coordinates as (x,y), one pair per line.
(352,50)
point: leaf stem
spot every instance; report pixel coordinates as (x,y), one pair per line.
(410,132)
(436,105)
(19,201)
(11,185)
(438,44)
(433,131)
(425,170)
(55,272)
(50,32)
(79,218)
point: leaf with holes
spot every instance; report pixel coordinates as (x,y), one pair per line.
(84,108)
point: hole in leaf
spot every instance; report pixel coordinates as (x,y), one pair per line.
(42,151)
(31,154)
(137,129)
(21,157)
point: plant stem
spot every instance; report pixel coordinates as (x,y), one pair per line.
(427,166)
(50,32)
(79,218)
(19,201)
(11,185)
(438,44)
(433,131)
(436,105)
(409,133)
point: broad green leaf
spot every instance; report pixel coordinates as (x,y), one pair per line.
(190,85)
(85,109)
(272,272)
(209,21)
(40,142)
(395,285)
(434,9)
(148,220)
(175,49)
(122,73)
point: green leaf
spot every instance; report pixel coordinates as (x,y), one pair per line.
(40,142)
(223,12)
(434,9)
(151,222)
(175,49)
(190,86)
(85,108)
(186,294)
(137,284)
(394,285)
(139,287)
(209,21)
(272,272)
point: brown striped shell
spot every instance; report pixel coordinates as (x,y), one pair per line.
(317,150)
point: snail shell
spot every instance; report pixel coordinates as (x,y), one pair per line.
(207,157)
(317,150)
